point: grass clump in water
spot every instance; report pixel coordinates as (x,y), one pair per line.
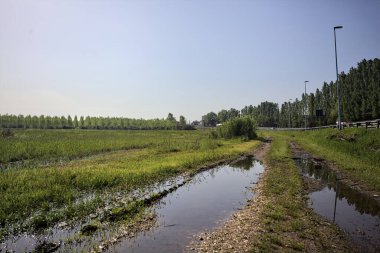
(123,213)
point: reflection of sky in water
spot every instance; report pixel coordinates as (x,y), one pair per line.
(356,213)
(200,205)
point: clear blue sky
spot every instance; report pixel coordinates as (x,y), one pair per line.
(147,58)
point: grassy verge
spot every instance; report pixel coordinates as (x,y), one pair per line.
(50,194)
(289,226)
(354,151)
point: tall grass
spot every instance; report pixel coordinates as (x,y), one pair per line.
(68,144)
(25,191)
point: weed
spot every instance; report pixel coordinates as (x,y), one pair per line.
(297,246)
(122,213)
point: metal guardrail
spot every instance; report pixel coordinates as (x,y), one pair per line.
(360,124)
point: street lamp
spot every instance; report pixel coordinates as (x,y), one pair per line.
(305,103)
(289,112)
(337,78)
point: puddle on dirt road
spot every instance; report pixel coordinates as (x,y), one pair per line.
(353,211)
(201,204)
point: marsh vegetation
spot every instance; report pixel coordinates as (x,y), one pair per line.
(53,176)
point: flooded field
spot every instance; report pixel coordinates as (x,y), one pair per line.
(201,204)
(357,213)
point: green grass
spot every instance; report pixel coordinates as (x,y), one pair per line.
(354,151)
(288,225)
(51,145)
(284,213)
(53,193)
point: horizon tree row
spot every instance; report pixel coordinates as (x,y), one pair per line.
(360,96)
(88,122)
(265,114)
(360,99)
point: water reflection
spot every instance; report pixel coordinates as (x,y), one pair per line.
(355,212)
(363,203)
(244,164)
(208,199)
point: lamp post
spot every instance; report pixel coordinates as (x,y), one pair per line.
(337,78)
(305,103)
(289,112)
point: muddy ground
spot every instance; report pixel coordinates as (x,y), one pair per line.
(148,220)
(237,233)
(245,226)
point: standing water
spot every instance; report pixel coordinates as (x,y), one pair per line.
(203,203)
(353,211)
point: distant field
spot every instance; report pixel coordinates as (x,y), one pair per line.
(68,144)
(35,196)
(354,151)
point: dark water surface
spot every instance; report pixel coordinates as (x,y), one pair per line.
(357,213)
(203,203)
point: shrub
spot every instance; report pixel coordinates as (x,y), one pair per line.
(213,134)
(7,133)
(238,127)
(188,127)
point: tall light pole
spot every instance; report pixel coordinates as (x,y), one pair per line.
(337,78)
(305,103)
(289,112)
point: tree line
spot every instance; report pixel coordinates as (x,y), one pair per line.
(360,97)
(88,122)
(264,114)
